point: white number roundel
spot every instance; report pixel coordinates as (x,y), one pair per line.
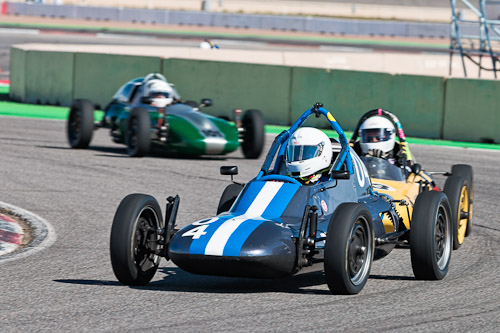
(359,169)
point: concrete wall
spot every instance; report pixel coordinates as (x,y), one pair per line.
(234,85)
(431,107)
(417,100)
(472,110)
(98,76)
(18,74)
(49,77)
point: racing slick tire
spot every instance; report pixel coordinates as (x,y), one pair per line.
(465,171)
(431,239)
(228,197)
(134,239)
(253,134)
(80,124)
(138,133)
(457,191)
(349,249)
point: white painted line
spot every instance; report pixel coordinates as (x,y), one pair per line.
(121,36)
(44,233)
(19,31)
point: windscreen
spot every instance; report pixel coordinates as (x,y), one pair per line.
(382,169)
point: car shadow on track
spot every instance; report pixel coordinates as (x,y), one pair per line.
(177,280)
(110,150)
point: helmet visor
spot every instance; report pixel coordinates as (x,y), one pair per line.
(159,94)
(375,135)
(301,153)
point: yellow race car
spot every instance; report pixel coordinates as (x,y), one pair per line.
(402,180)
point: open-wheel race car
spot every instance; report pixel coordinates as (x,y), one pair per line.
(275,225)
(400,177)
(148,112)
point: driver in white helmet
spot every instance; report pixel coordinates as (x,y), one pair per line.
(378,138)
(308,155)
(160,92)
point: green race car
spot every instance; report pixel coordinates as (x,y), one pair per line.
(148,112)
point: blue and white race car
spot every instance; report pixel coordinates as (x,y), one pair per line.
(274,225)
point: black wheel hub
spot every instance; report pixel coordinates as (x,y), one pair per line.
(357,250)
(440,237)
(145,244)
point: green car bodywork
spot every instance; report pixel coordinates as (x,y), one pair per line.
(136,119)
(189,130)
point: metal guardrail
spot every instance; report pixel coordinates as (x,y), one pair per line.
(250,21)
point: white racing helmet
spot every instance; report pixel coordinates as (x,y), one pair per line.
(309,152)
(161,93)
(377,133)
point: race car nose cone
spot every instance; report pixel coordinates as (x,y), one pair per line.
(266,252)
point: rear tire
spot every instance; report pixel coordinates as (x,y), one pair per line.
(80,124)
(349,249)
(228,197)
(254,134)
(465,171)
(133,239)
(457,191)
(431,236)
(138,133)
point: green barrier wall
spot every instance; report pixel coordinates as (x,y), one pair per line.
(49,77)
(17,74)
(233,85)
(416,100)
(98,76)
(471,110)
(429,107)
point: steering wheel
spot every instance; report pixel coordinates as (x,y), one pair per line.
(281,178)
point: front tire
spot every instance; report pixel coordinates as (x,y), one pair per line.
(457,191)
(349,249)
(253,135)
(138,133)
(133,244)
(80,124)
(465,171)
(431,236)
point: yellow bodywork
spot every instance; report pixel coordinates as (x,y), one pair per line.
(401,190)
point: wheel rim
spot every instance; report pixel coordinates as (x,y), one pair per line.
(442,234)
(74,126)
(132,134)
(145,240)
(463,215)
(359,251)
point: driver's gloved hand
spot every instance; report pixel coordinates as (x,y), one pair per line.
(376,153)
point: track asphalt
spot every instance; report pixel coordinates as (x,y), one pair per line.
(46,25)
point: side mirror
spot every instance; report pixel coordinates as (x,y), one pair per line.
(229,170)
(341,174)
(416,168)
(206,102)
(146,100)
